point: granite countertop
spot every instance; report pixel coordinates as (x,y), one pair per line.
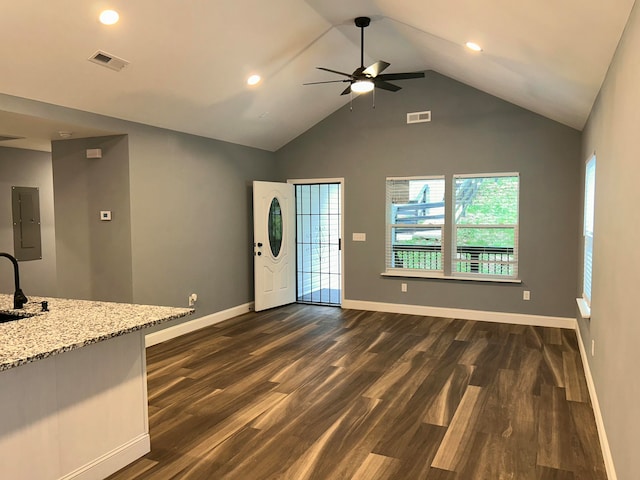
(70,324)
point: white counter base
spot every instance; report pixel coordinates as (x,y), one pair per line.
(78,415)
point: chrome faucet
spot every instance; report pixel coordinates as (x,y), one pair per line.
(19,299)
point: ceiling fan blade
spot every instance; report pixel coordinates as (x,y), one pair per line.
(377,68)
(346,90)
(328,81)
(385,85)
(401,76)
(334,71)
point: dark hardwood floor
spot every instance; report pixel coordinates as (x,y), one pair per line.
(308,392)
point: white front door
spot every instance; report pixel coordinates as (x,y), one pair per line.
(274,244)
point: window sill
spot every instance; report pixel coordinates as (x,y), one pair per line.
(583,306)
(442,276)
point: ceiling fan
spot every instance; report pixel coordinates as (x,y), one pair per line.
(366,79)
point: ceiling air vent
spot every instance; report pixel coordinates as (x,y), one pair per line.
(107,60)
(419,117)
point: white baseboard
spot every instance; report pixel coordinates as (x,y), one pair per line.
(479,315)
(196,324)
(602,434)
(112,461)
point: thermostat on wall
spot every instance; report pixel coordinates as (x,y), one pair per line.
(105,215)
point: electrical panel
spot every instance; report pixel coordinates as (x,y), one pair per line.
(25,202)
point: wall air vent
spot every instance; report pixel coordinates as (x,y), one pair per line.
(107,60)
(419,117)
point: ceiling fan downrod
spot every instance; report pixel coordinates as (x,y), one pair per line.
(362,23)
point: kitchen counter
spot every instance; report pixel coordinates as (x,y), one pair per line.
(71,324)
(73,387)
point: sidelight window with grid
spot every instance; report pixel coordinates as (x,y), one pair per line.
(318,220)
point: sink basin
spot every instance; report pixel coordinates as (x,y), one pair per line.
(9,317)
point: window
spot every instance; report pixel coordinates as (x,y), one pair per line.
(482,226)
(415,221)
(485,227)
(589,204)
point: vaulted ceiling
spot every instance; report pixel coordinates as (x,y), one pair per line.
(190,59)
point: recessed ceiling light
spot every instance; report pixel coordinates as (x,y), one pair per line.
(473,46)
(109,17)
(253,80)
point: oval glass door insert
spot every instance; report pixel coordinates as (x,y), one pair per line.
(275,227)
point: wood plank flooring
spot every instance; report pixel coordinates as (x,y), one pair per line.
(308,392)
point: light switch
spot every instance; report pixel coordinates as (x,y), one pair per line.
(359,237)
(105,215)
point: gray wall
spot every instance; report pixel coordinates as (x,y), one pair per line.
(612,132)
(471,132)
(191,213)
(28,168)
(94,257)
(190,204)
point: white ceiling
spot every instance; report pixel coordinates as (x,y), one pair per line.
(189,59)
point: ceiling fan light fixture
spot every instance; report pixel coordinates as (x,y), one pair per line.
(362,86)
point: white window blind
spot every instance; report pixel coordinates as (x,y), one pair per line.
(485,226)
(589,205)
(415,220)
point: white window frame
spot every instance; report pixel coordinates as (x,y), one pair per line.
(411,272)
(588,219)
(455,227)
(448,228)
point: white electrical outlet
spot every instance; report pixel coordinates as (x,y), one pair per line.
(593,347)
(403,287)
(193,298)
(526,295)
